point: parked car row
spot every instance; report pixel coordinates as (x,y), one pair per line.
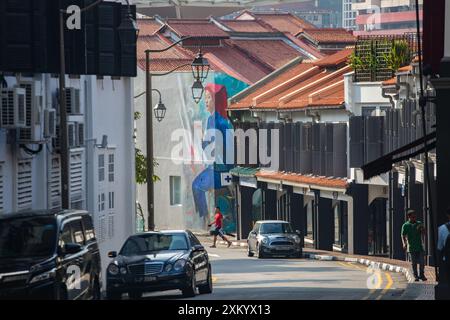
(55,255)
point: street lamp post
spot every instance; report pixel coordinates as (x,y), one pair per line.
(127,28)
(200,68)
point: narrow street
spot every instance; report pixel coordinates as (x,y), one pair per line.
(237,276)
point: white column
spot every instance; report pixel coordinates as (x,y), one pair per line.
(447,30)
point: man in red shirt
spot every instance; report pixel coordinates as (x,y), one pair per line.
(218,223)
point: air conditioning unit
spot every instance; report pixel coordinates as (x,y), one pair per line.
(33,133)
(49,123)
(73,101)
(79,128)
(13,108)
(72,135)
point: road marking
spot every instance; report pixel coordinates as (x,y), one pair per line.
(214,279)
(377,287)
(213,255)
(388,286)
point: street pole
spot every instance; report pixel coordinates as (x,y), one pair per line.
(63,134)
(149,138)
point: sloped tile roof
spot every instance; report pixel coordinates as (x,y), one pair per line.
(201,28)
(284,22)
(305,85)
(335,59)
(328,182)
(274,53)
(328,35)
(148,26)
(254,26)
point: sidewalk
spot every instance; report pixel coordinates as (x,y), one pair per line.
(414,291)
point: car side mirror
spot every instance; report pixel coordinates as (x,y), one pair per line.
(72,248)
(298,232)
(112,254)
(199,247)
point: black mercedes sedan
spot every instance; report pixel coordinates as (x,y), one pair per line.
(158,261)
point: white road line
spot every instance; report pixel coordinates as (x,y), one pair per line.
(213,255)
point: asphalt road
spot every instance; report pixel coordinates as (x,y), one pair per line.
(236,276)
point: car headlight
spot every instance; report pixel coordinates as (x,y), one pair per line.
(113,269)
(168,267)
(43,276)
(123,270)
(264,240)
(297,239)
(179,265)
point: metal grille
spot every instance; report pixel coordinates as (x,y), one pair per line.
(146,268)
(281,243)
(55,183)
(7,111)
(24,185)
(25,133)
(76,175)
(1,188)
(372,51)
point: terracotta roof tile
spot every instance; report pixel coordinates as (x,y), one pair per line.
(329,35)
(148,26)
(305,85)
(284,22)
(390,82)
(201,28)
(274,53)
(255,26)
(335,59)
(328,182)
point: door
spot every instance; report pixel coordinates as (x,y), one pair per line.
(252,237)
(76,279)
(200,260)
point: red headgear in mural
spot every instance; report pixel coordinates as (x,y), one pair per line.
(219,98)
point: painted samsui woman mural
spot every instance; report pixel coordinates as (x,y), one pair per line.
(208,183)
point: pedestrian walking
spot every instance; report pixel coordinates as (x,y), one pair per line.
(443,247)
(218,231)
(413,232)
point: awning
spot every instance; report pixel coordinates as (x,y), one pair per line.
(384,164)
(244,172)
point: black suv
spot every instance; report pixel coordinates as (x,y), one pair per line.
(49,255)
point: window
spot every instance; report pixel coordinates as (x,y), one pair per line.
(77,230)
(1,188)
(101,202)
(111,226)
(175,190)
(193,239)
(24,186)
(111,168)
(101,167)
(66,236)
(88,228)
(111,200)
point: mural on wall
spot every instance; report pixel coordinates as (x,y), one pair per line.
(207,179)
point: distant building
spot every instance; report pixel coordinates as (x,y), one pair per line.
(376,17)
(348,15)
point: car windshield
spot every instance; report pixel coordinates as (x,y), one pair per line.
(275,228)
(27,237)
(142,244)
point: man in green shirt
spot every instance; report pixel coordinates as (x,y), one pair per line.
(412,233)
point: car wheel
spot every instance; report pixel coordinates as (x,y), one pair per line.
(208,287)
(135,295)
(189,291)
(112,295)
(249,252)
(60,292)
(260,252)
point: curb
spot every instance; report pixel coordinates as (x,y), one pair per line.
(366,262)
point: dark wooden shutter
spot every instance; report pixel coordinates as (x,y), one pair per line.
(374,138)
(340,150)
(356,141)
(280,127)
(306,148)
(316,149)
(296,141)
(288,149)
(328,152)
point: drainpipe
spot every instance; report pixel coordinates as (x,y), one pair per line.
(48,105)
(388,96)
